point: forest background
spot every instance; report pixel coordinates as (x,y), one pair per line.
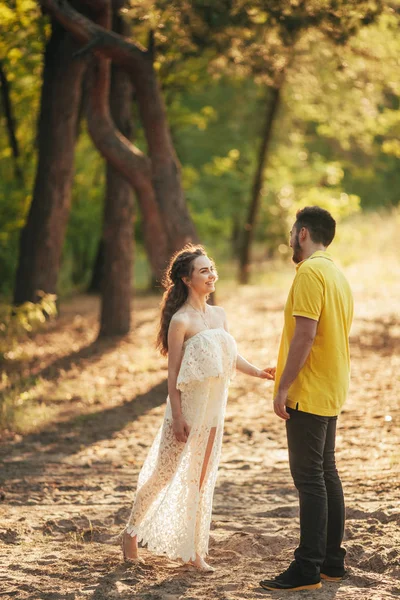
(334,140)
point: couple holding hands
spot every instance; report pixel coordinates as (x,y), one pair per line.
(173,503)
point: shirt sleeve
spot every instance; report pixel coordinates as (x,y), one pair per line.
(308,296)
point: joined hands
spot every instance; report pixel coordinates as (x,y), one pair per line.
(268,373)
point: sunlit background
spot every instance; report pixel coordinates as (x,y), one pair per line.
(270,106)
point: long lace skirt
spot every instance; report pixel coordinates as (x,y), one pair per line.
(171,514)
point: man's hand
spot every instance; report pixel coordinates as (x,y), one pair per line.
(181,429)
(268,373)
(280,405)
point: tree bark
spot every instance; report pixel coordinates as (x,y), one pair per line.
(164,166)
(272,103)
(130,162)
(42,237)
(116,284)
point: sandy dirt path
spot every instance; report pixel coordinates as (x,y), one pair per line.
(68,487)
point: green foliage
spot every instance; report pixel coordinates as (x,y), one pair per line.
(14,397)
(22,35)
(85,222)
(348,98)
(335,141)
(217,151)
(218,186)
(16,321)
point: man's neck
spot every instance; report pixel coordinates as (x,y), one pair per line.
(309,251)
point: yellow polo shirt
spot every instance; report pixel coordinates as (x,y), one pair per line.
(320,292)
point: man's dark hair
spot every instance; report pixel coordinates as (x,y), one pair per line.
(319,223)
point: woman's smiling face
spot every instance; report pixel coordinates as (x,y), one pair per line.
(203,277)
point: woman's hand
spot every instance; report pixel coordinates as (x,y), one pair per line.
(181,429)
(247,368)
(268,373)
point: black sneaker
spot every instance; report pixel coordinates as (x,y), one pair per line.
(333,573)
(292,580)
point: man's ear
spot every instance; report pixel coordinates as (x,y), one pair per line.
(303,234)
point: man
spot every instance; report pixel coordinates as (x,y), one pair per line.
(312,380)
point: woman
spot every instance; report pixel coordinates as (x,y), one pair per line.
(172,509)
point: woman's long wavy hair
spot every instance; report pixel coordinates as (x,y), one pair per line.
(176,291)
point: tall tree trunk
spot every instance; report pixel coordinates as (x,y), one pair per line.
(272,104)
(116,285)
(164,167)
(43,235)
(235,236)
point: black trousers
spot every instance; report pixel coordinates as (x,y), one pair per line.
(311,442)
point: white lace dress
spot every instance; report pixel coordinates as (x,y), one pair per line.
(171,514)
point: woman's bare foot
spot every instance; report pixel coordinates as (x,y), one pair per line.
(201,564)
(130,548)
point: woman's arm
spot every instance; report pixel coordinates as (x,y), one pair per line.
(176,337)
(247,368)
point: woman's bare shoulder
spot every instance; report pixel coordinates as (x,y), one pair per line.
(180,318)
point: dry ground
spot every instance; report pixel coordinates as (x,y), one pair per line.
(68,484)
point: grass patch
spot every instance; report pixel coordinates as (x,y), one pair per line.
(15,398)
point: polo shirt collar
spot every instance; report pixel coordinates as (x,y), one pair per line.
(322,253)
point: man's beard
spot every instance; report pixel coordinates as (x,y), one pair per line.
(297,253)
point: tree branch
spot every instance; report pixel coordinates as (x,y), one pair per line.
(113,46)
(85,50)
(96,5)
(135,59)
(151,45)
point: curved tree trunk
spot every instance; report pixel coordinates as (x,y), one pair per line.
(131,164)
(164,166)
(112,142)
(43,235)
